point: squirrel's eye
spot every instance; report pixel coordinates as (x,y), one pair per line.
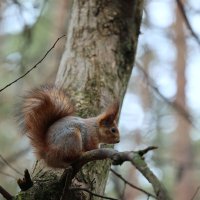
(113,130)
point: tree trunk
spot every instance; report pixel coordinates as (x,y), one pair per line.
(94,70)
(182,143)
(61,15)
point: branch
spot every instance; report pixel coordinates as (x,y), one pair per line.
(5,194)
(13,157)
(118,158)
(180,109)
(130,184)
(92,193)
(8,175)
(196,192)
(144,151)
(27,72)
(9,165)
(182,10)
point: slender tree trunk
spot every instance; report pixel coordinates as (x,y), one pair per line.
(61,15)
(184,186)
(94,70)
(129,192)
(137,137)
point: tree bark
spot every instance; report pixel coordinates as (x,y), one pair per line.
(100,49)
(94,70)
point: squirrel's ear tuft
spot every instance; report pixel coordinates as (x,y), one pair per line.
(107,118)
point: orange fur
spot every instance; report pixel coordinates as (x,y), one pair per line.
(41,108)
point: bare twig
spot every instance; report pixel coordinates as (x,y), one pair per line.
(34,167)
(8,175)
(27,72)
(9,165)
(144,151)
(196,192)
(182,10)
(13,157)
(175,105)
(130,184)
(92,193)
(5,194)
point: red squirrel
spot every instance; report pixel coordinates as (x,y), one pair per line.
(57,136)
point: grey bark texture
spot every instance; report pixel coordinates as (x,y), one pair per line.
(95,69)
(97,62)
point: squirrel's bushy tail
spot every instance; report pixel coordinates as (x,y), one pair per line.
(40,109)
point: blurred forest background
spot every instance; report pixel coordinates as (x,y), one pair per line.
(161,107)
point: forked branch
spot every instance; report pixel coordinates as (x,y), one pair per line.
(118,158)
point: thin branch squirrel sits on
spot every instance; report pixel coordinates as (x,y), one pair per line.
(59,137)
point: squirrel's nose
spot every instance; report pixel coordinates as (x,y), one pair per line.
(117,140)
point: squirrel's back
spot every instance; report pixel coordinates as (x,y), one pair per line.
(40,109)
